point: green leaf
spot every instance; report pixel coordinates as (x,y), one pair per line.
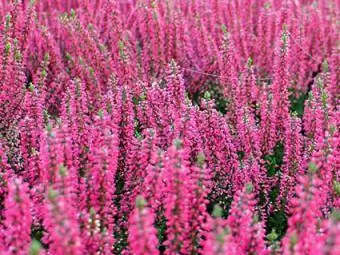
(35,247)
(7,47)
(200,159)
(272,236)
(140,202)
(52,194)
(312,167)
(217,212)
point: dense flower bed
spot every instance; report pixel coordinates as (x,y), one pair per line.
(169,127)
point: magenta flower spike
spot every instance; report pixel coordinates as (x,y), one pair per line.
(17,221)
(182,106)
(142,234)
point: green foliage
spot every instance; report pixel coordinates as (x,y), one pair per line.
(178,143)
(62,170)
(122,50)
(137,130)
(8,21)
(212,93)
(336,187)
(277,221)
(275,160)
(217,212)
(274,243)
(200,159)
(250,62)
(274,194)
(221,203)
(249,188)
(240,155)
(160,225)
(335,216)
(224,29)
(312,168)
(37,233)
(207,95)
(272,236)
(7,47)
(121,241)
(325,66)
(222,105)
(35,247)
(140,202)
(52,194)
(297,103)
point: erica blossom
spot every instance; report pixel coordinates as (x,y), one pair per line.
(176,201)
(63,235)
(218,239)
(16,231)
(142,234)
(246,230)
(293,163)
(303,234)
(188,104)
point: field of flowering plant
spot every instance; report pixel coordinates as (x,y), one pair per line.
(169,127)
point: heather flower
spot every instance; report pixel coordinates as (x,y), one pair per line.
(136,174)
(102,167)
(177,198)
(220,151)
(142,234)
(31,128)
(16,229)
(63,232)
(5,169)
(218,239)
(331,241)
(280,102)
(292,161)
(304,233)
(180,102)
(246,230)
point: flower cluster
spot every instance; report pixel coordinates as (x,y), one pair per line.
(169,127)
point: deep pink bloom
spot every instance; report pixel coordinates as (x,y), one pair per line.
(142,233)
(305,234)
(247,231)
(63,232)
(218,239)
(181,102)
(16,230)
